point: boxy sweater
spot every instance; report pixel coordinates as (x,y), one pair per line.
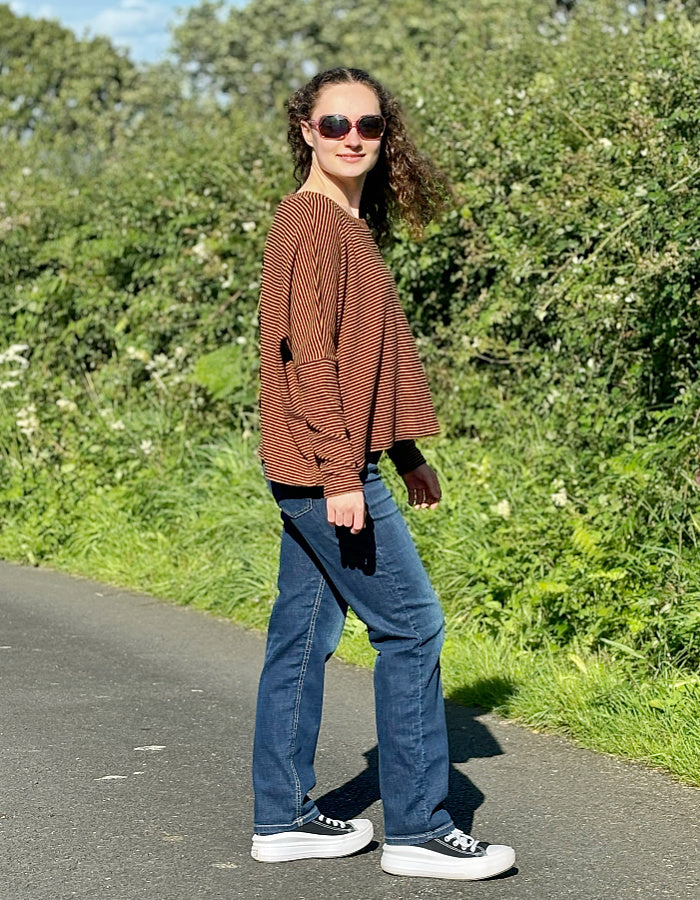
(339,370)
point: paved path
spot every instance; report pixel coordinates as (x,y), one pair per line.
(125,756)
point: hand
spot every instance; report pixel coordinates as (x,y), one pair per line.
(347,510)
(423,487)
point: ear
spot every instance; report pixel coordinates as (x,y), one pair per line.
(306,133)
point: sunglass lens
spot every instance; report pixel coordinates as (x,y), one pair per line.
(333,127)
(371,127)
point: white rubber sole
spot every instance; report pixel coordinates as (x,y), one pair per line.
(291,845)
(422,863)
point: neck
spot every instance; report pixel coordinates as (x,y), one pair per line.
(346,192)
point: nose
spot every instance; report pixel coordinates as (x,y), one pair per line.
(353,137)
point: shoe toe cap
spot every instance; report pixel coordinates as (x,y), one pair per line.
(501,851)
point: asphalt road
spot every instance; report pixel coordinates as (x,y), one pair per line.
(125,758)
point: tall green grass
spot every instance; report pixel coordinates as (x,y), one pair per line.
(198,527)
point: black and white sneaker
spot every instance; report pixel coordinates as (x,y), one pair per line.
(455,855)
(321,838)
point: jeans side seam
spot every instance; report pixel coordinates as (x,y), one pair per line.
(409,619)
(300,687)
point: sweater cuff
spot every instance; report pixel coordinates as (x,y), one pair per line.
(341,482)
(405,456)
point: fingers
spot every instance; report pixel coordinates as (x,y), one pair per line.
(423,487)
(424,494)
(423,500)
(347,511)
(418,497)
(358,522)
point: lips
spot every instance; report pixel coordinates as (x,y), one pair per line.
(351,157)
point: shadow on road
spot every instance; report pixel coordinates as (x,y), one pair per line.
(469,739)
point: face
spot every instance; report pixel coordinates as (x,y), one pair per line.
(351,156)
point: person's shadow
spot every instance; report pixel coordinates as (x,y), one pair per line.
(468,738)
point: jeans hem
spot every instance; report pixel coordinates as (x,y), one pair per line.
(280,829)
(410,840)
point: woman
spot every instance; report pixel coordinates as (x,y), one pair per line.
(340,383)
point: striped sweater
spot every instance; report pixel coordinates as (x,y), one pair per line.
(340,374)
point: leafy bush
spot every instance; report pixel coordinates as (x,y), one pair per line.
(556,308)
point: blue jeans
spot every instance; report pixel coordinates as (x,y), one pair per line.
(378,573)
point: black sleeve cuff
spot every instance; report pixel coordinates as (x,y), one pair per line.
(405,456)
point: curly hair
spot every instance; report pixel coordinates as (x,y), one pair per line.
(403,184)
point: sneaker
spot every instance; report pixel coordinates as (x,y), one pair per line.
(454,855)
(321,838)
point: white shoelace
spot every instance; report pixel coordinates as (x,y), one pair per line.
(462,841)
(337,823)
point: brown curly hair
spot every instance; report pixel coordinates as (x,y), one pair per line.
(403,184)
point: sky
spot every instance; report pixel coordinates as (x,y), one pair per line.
(139,25)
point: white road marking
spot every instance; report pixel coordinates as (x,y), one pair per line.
(151,747)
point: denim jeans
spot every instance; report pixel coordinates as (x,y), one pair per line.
(378,573)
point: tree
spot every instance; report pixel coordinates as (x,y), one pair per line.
(52,82)
(262,51)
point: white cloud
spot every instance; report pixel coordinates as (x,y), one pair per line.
(131,18)
(139,25)
(42,11)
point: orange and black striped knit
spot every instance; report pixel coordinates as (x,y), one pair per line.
(339,370)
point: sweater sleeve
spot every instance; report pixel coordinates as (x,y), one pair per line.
(315,294)
(405,456)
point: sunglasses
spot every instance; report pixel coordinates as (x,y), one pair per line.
(335,127)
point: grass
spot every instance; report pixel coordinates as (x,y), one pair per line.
(597,701)
(204,532)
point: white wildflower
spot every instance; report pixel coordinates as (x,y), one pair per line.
(27,420)
(146,446)
(200,251)
(502,509)
(13,355)
(138,353)
(559,498)
(248,226)
(160,363)
(118,425)
(241,340)
(26,171)
(66,405)
(605,143)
